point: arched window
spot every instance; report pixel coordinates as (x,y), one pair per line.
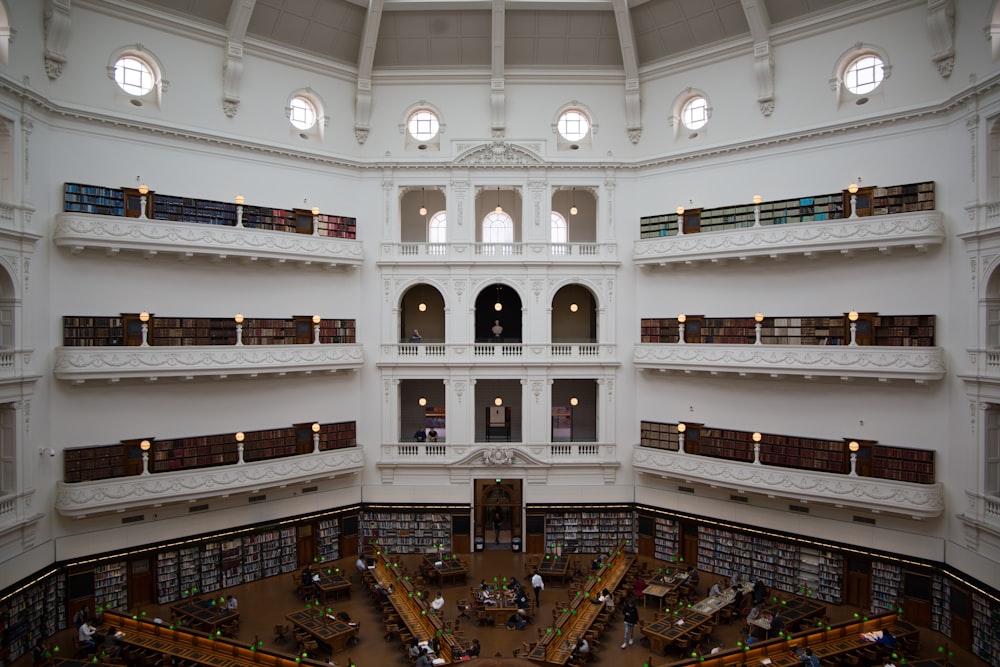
(559,234)
(138,75)
(306,114)
(691,113)
(498,234)
(859,73)
(437,233)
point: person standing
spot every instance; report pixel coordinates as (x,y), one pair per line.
(415,337)
(631,615)
(539,586)
(497,524)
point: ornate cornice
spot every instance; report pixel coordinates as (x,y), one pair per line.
(79,232)
(498,154)
(132,493)
(914,364)
(881,233)
(877,495)
(82,364)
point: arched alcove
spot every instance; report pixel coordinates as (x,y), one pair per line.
(421,310)
(498,314)
(574,315)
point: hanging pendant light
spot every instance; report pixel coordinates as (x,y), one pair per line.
(499,209)
(573,210)
(423,205)
(498,306)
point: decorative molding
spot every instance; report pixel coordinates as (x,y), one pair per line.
(123,494)
(460,355)
(519,254)
(880,233)
(913,364)
(498,154)
(918,501)
(941,29)
(112,234)
(112,364)
(57,24)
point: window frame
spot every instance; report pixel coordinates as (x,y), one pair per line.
(838,83)
(411,143)
(318,130)
(139,53)
(587,139)
(680,105)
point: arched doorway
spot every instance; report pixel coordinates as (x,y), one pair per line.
(498,315)
(498,512)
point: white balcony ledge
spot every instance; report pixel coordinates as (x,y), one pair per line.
(911,364)
(917,501)
(186,240)
(17,513)
(524,354)
(538,463)
(113,364)
(123,494)
(882,233)
(590,254)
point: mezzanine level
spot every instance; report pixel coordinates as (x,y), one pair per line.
(918,231)
(122,494)
(528,354)
(918,501)
(920,365)
(588,254)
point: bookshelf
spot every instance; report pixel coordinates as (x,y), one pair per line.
(903,465)
(167,576)
(111,586)
(821,574)
(659,330)
(188,571)
(659,436)
(211,567)
(94,199)
(887,586)
(231,562)
(86,464)
(666,540)
(37,610)
(252,558)
(812,208)
(724,444)
(86,331)
(406,532)
(328,540)
(270,444)
(904,330)
(593,531)
(940,604)
(985,629)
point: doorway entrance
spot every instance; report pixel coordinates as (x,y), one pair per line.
(499,505)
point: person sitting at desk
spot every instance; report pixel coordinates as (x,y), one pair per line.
(360,564)
(86,636)
(759,592)
(414,649)
(777,624)
(232,604)
(473,650)
(753,614)
(737,607)
(691,583)
(424,660)
(716,589)
(808,658)
(638,586)
(517,621)
(438,603)
(607,599)
(582,647)
(522,602)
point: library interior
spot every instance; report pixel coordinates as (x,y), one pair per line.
(330,329)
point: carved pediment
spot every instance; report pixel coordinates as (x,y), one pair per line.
(498,154)
(497,456)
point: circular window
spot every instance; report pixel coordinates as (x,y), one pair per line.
(133,76)
(695,113)
(302,113)
(573,125)
(864,75)
(423,125)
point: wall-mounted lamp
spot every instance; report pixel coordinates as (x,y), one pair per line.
(853,189)
(573,307)
(144,446)
(315,430)
(239,210)
(498,401)
(499,209)
(498,306)
(573,210)
(144,327)
(423,202)
(756,210)
(421,401)
(143,191)
(681,319)
(853,317)
(239,328)
(680,221)
(757,318)
(316,322)
(574,401)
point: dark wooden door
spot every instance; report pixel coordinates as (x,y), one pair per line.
(140,582)
(858,583)
(961,617)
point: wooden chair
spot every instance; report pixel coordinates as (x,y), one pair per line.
(231,629)
(280,633)
(463,608)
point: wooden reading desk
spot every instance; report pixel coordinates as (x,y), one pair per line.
(331,585)
(556,647)
(674,627)
(445,568)
(554,567)
(326,628)
(207,613)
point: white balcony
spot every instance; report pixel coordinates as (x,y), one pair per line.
(526,354)
(16,512)
(847,362)
(917,501)
(538,463)
(589,254)
(113,364)
(185,240)
(883,233)
(14,364)
(123,494)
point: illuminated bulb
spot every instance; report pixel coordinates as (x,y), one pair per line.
(756,437)
(317,319)
(573,210)
(574,401)
(315,210)
(498,401)
(143,316)
(239,200)
(144,189)
(573,307)
(498,306)
(682,318)
(315,427)
(759,317)
(144,445)
(756,199)
(854,446)
(423,210)
(682,427)
(239,318)
(422,307)
(240,437)
(853,188)
(853,316)
(421,401)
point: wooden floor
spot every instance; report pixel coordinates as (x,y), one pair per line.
(264,604)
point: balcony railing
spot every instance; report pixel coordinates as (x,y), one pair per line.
(913,364)
(536,461)
(16,511)
(112,364)
(113,234)
(883,233)
(520,253)
(488,352)
(123,494)
(14,363)
(982,511)
(917,501)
